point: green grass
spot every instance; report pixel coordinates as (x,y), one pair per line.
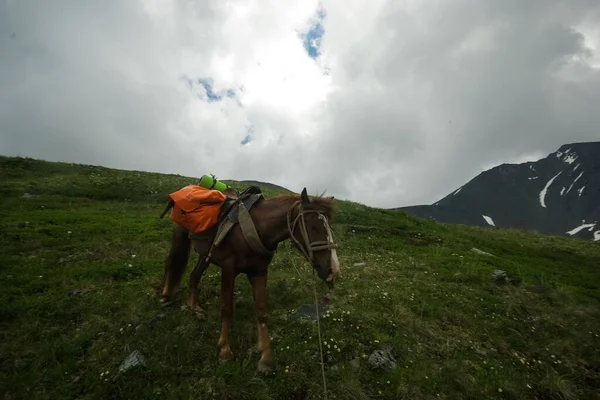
(82,257)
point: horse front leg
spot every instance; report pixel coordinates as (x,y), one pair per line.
(259,292)
(195,278)
(227,286)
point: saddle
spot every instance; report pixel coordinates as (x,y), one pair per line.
(235,210)
(248,198)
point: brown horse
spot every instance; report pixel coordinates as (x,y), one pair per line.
(305,220)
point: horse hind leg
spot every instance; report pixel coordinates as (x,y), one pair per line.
(176,261)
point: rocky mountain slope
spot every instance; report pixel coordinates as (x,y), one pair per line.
(557,195)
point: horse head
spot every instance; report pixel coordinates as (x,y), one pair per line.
(312,234)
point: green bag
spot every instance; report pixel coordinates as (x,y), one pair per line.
(211,182)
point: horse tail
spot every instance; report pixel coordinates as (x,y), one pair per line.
(176,261)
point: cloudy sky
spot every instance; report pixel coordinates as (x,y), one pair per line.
(388,103)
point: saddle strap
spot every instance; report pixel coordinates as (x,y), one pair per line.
(169,206)
(249,231)
(224,229)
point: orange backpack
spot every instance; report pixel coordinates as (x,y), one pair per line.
(196,208)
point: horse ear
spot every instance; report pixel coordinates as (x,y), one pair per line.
(304,196)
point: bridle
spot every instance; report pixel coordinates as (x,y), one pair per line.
(309,247)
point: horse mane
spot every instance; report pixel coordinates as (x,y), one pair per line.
(326,204)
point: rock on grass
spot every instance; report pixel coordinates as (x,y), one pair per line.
(382,359)
(133,360)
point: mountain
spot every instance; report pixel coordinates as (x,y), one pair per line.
(557,195)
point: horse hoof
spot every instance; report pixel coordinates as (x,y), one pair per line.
(264,367)
(226,356)
(200,314)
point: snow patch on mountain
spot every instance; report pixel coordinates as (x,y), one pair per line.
(455,193)
(576,179)
(545,189)
(488,220)
(570,158)
(590,227)
(596,236)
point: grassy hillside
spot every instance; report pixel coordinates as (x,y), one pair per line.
(81,257)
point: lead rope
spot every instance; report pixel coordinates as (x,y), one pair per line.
(320,340)
(308,255)
(314,286)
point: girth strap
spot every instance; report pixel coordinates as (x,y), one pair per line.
(249,231)
(222,232)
